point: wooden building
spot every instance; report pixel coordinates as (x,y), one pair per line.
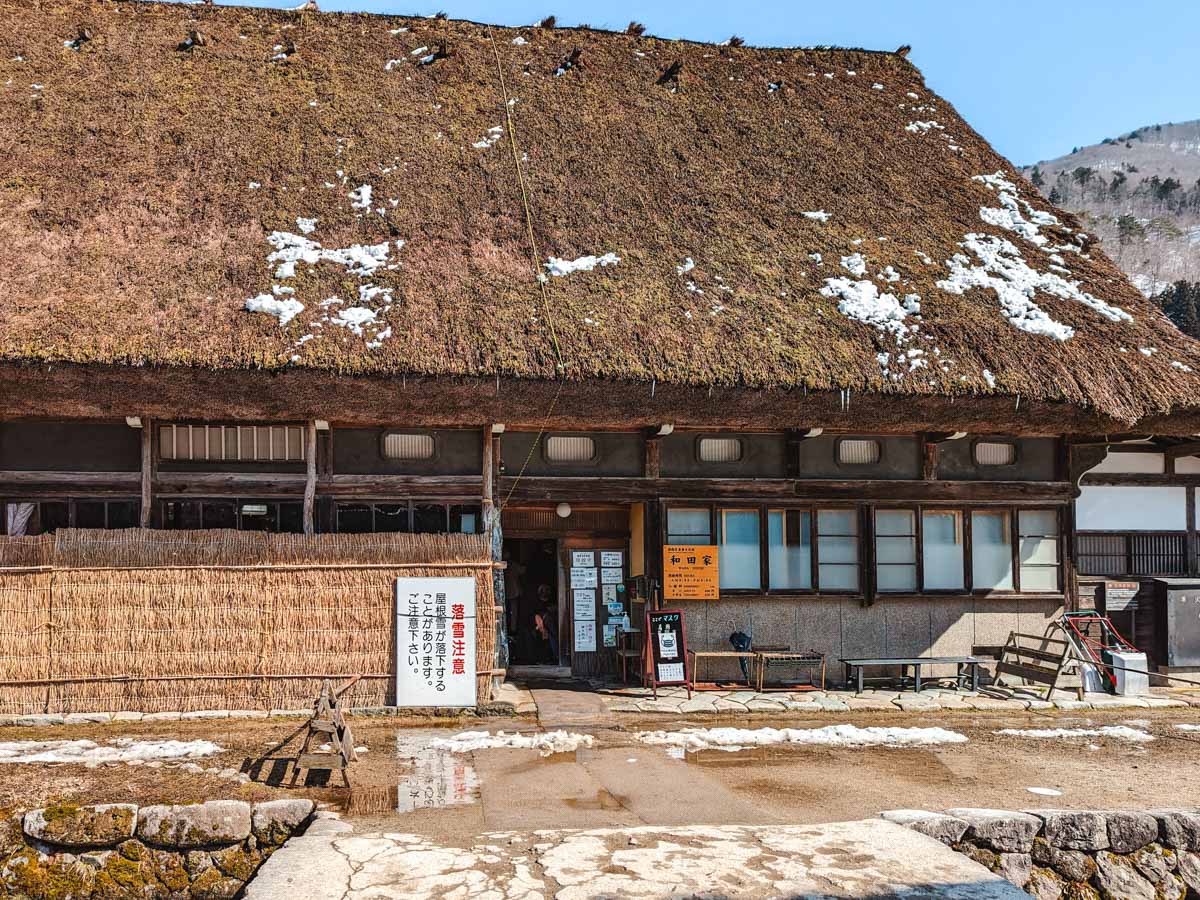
(582,291)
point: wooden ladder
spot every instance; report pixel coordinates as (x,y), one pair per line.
(1036,658)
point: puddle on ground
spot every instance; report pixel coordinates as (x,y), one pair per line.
(437,780)
(602,800)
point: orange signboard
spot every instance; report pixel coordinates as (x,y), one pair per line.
(690,573)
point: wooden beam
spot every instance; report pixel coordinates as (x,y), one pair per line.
(310,479)
(652,467)
(147,473)
(929,450)
(489,483)
(1191,448)
(1193,541)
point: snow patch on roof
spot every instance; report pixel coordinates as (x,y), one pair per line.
(855,264)
(562,267)
(284,310)
(923,127)
(819,215)
(360,197)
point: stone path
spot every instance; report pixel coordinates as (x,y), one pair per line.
(844,859)
(674,701)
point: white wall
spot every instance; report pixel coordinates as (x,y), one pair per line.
(1187,465)
(1132,463)
(1131,509)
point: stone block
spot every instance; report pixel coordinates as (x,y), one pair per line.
(1007,832)
(1129,830)
(161,717)
(97,718)
(939,826)
(1188,866)
(39,721)
(1152,861)
(1117,877)
(275,821)
(208,824)
(128,716)
(63,825)
(1070,829)
(212,885)
(1045,884)
(1073,865)
(1015,868)
(1178,829)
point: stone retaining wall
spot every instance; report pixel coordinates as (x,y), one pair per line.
(1076,854)
(204,850)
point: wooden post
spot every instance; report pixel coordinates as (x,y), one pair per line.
(310,479)
(653,461)
(491,523)
(1193,545)
(930,450)
(148,467)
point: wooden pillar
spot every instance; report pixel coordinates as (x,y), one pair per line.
(148,472)
(310,478)
(1193,541)
(929,449)
(652,467)
(495,535)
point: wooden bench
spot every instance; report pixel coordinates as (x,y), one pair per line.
(723,654)
(855,667)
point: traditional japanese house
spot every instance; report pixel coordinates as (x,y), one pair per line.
(580,290)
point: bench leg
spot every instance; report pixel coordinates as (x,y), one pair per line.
(860,679)
(917,678)
(975,677)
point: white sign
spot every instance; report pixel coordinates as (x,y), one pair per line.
(609,593)
(585,637)
(583,578)
(670,671)
(612,559)
(583,559)
(612,576)
(585,605)
(435,642)
(668,648)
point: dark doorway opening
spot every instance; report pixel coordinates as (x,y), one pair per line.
(531,601)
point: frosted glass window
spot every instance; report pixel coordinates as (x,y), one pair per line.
(995,454)
(1038,531)
(408,446)
(858,453)
(737,549)
(837,550)
(689,526)
(789,543)
(896,550)
(991,551)
(942,548)
(570,448)
(720,450)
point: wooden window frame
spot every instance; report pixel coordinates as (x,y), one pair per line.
(592,460)
(410,503)
(837,452)
(1016,448)
(238,429)
(432,435)
(739,439)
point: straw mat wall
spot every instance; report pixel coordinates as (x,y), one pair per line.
(161,621)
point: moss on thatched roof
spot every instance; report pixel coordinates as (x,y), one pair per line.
(736,201)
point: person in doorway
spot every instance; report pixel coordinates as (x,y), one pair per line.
(514,577)
(545,620)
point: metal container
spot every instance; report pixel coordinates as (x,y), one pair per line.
(1179,601)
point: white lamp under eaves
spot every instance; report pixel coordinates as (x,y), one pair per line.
(563,510)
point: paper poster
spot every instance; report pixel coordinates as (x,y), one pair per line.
(612,559)
(612,576)
(585,637)
(585,605)
(583,559)
(584,578)
(435,646)
(615,609)
(670,672)
(609,593)
(610,635)
(668,645)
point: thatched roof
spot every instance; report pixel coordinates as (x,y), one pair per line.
(767,218)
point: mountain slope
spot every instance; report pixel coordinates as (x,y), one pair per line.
(1139,193)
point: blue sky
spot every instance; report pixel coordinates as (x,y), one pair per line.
(1035,77)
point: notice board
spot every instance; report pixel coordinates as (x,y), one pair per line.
(668,647)
(435,642)
(691,572)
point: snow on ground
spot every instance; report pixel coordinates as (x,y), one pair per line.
(734,739)
(116,751)
(546,742)
(1187,727)
(1044,792)
(561,267)
(1117,732)
(1148,285)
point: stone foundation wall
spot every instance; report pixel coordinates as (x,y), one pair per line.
(1076,854)
(205,850)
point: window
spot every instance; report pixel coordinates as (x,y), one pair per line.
(1037,530)
(896,550)
(991,550)
(837,549)
(407,446)
(942,549)
(991,453)
(851,452)
(238,443)
(737,549)
(417,517)
(279,517)
(719,449)
(46,517)
(689,526)
(570,448)
(789,543)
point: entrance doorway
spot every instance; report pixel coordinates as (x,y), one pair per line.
(531,601)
